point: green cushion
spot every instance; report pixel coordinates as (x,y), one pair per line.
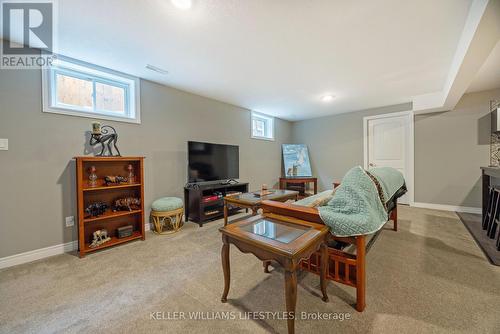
(167,204)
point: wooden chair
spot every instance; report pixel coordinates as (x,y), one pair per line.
(343,267)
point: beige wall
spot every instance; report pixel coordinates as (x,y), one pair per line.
(449,149)
(37,174)
(37,187)
(336,142)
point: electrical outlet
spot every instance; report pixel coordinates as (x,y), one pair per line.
(70,221)
(4,144)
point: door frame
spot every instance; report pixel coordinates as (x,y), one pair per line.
(410,164)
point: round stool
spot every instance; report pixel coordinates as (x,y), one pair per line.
(170,208)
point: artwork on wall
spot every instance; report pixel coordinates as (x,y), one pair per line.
(296,160)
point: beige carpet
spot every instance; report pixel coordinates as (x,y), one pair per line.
(429,277)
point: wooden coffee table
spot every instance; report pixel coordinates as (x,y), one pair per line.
(253,202)
(286,242)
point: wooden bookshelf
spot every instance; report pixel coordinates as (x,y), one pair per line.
(110,220)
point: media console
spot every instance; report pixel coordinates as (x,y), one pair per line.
(205,202)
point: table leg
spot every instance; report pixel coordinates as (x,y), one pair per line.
(291,298)
(324,269)
(226,213)
(226,269)
(266,266)
(315,187)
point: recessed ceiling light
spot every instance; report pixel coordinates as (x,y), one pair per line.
(182,4)
(156,69)
(327,98)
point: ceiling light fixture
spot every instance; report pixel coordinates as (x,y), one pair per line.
(182,4)
(327,98)
(156,69)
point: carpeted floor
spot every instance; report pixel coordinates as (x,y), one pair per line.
(429,277)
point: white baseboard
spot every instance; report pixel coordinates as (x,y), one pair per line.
(443,207)
(42,253)
(37,254)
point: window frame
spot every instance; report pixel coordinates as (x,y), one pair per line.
(269,126)
(96,74)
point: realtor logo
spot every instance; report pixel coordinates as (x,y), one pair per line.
(27,30)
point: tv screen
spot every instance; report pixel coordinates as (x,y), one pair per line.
(211,162)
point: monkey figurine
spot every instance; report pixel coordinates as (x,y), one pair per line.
(106,139)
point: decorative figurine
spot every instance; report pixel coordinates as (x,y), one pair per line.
(131,176)
(92,177)
(100,237)
(95,209)
(100,135)
(127,204)
(110,180)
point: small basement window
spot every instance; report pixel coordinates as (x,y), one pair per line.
(262,126)
(75,88)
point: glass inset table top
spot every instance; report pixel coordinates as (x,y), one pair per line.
(251,198)
(279,231)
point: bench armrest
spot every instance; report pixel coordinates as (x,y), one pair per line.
(291,210)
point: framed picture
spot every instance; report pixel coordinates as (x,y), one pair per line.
(296,160)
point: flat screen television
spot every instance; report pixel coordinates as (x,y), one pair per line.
(212,162)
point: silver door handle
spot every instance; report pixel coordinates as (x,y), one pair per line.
(372,165)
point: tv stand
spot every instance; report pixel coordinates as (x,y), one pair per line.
(205,202)
(230,181)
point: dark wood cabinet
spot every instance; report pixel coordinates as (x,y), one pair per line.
(205,202)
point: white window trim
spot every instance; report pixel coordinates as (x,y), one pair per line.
(114,77)
(267,117)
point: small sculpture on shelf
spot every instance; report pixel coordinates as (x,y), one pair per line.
(101,135)
(100,237)
(115,180)
(92,177)
(127,204)
(95,209)
(131,175)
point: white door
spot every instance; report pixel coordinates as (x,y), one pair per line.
(387,144)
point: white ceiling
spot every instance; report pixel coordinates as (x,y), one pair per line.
(488,76)
(277,57)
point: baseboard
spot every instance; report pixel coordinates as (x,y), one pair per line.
(42,253)
(444,207)
(37,254)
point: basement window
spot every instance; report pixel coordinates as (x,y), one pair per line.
(75,88)
(262,126)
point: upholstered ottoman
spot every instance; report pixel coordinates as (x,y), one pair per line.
(166,214)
